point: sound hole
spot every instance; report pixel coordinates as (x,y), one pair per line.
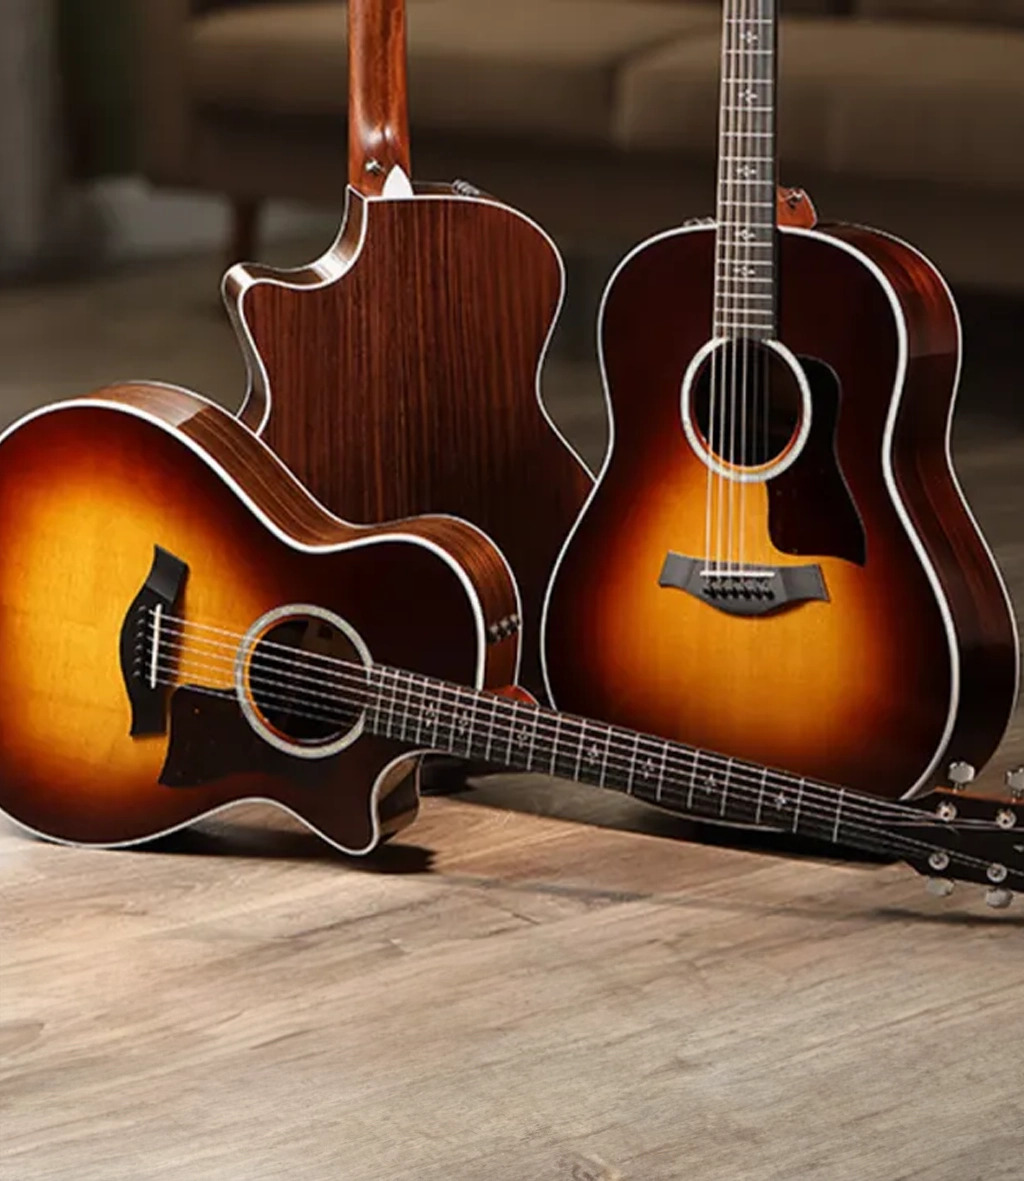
(306,680)
(746,404)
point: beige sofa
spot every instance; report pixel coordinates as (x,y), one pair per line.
(598,116)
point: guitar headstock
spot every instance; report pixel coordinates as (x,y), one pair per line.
(978,838)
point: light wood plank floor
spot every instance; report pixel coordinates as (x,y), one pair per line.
(535,982)
(501,997)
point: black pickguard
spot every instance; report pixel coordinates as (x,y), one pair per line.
(810,507)
(211,739)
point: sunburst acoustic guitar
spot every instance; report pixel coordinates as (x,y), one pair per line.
(776,560)
(184,627)
(399,373)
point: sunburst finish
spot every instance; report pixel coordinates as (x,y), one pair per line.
(86,491)
(912,659)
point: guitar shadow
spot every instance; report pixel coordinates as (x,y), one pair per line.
(540,795)
(272,836)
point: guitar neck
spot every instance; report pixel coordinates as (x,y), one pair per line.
(745,287)
(524,736)
(378,117)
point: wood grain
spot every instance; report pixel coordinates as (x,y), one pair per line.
(398,375)
(499,997)
(378,117)
(86,492)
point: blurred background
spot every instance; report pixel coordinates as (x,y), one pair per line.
(146,144)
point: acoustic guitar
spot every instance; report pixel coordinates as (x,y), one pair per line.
(776,560)
(399,373)
(184,627)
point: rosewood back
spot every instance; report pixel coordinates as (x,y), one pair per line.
(398,375)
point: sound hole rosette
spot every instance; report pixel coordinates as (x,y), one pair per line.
(788,455)
(248,695)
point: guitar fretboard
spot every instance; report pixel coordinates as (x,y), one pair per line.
(526,737)
(745,303)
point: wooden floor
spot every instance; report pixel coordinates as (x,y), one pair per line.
(535,982)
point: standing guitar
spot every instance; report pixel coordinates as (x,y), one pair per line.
(182,627)
(776,560)
(399,373)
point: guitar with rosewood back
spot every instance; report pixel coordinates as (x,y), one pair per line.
(777,560)
(399,373)
(182,628)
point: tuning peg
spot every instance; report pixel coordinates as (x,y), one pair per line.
(960,774)
(940,887)
(998,898)
(1015,782)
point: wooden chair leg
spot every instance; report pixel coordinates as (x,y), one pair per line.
(244,230)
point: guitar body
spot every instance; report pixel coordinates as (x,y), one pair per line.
(905,657)
(398,375)
(88,489)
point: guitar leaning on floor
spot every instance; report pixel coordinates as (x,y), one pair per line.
(776,560)
(183,627)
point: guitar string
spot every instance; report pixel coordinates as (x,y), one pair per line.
(878,836)
(683,759)
(765,365)
(890,839)
(345,666)
(747,185)
(732,282)
(717,400)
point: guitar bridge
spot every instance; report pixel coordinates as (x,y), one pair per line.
(744,590)
(140,642)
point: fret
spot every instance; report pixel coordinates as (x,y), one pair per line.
(661,774)
(735,132)
(747,297)
(511,732)
(380,700)
(725,786)
(799,800)
(444,719)
(390,712)
(491,728)
(417,737)
(746,204)
(533,739)
(760,796)
(472,723)
(405,715)
(749,327)
(839,811)
(693,779)
(631,773)
(460,721)
(579,752)
(554,744)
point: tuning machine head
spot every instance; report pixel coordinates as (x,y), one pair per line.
(940,887)
(961,774)
(998,898)
(1015,782)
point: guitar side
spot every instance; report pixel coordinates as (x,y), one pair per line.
(87,490)
(872,686)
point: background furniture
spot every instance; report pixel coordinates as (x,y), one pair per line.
(598,116)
